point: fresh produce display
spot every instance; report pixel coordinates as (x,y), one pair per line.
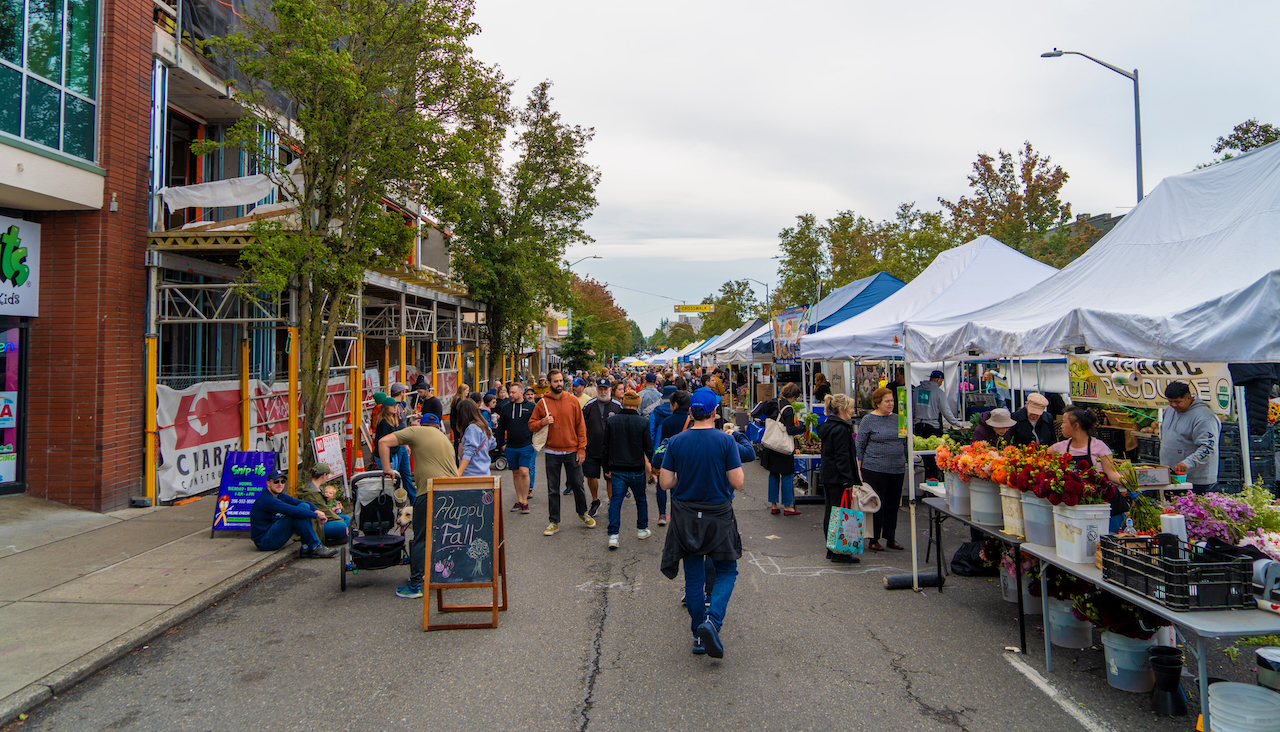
(926,443)
(1145,515)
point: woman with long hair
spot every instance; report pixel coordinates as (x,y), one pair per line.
(477,440)
(455,425)
(782,467)
(821,388)
(839,460)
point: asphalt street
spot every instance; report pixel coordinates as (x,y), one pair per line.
(598,640)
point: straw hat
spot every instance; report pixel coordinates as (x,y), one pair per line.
(999,418)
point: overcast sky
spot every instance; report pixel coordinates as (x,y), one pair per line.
(718,122)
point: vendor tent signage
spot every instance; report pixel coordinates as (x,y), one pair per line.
(788,326)
(1140,382)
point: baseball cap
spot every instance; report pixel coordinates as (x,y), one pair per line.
(430,418)
(1037,403)
(937,375)
(651,377)
(386,401)
(602,382)
(703,402)
(398,388)
(578,382)
(320,469)
(277,474)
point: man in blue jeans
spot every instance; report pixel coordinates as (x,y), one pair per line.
(702,469)
(626,452)
(276,516)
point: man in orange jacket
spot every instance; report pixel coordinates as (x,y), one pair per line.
(566,446)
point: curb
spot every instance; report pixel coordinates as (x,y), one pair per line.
(62,679)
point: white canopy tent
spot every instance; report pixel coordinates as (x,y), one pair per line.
(663,358)
(708,355)
(740,350)
(960,280)
(1192,273)
(710,343)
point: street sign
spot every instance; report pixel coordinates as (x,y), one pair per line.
(695,308)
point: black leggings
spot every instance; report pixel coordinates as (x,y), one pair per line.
(889,487)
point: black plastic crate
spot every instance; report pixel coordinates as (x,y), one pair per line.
(1112,438)
(1204,580)
(1229,440)
(1148,449)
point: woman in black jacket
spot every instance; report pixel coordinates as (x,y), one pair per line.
(839,460)
(782,468)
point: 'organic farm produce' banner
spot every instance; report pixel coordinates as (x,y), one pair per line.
(1140,382)
(788,325)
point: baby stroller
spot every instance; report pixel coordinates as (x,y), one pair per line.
(497,459)
(371,544)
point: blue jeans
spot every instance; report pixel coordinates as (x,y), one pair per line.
(334,531)
(400,463)
(283,530)
(620,483)
(695,577)
(522,457)
(662,500)
(788,485)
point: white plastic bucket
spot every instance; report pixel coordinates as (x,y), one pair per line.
(1037,519)
(1065,629)
(984,502)
(957,494)
(1011,508)
(1077,529)
(1008,586)
(1128,664)
(1243,708)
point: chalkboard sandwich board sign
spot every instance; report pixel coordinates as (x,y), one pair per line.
(467,551)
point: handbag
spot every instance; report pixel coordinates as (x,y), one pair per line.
(540,437)
(863,498)
(846,528)
(776,437)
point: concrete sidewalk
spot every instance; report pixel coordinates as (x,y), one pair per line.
(80,589)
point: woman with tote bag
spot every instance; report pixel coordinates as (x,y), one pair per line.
(778,456)
(839,461)
(882,461)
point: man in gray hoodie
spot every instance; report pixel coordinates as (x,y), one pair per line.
(1189,437)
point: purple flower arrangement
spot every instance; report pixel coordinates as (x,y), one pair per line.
(1213,515)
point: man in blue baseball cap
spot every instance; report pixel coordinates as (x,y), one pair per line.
(702,469)
(276,516)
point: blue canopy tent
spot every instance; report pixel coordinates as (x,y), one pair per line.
(843,303)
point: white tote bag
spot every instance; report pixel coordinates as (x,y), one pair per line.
(540,437)
(775,436)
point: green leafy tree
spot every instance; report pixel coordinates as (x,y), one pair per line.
(804,265)
(1017,201)
(637,338)
(680,335)
(576,349)
(387,104)
(606,323)
(1246,136)
(658,340)
(735,303)
(513,222)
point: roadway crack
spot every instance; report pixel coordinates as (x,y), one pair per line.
(946,715)
(591,664)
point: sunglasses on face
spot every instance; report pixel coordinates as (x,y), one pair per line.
(276,480)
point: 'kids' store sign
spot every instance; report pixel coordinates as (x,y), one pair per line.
(19,267)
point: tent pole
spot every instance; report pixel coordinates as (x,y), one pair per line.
(911,480)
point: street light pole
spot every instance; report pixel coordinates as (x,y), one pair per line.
(1137,116)
(766,292)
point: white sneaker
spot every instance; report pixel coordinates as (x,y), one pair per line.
(590,522)
(613,542)
(643,534)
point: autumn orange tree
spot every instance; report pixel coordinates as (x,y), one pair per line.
(605,322)
(1016,200)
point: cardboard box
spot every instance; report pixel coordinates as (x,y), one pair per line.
(764,392)
(1152,474)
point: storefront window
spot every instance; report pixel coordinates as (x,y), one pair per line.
(12,401)
(51,97)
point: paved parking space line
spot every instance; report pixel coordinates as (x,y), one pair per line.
(1077,712)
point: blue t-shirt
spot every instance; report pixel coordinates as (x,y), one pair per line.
(700,459)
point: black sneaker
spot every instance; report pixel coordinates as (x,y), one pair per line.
(710,638)
(698,648)
(567,491)
(595,506)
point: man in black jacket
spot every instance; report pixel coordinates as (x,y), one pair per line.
(516,442)
(626,452)
(596,413)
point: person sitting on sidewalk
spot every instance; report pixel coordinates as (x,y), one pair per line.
(276,516)
(332,528)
